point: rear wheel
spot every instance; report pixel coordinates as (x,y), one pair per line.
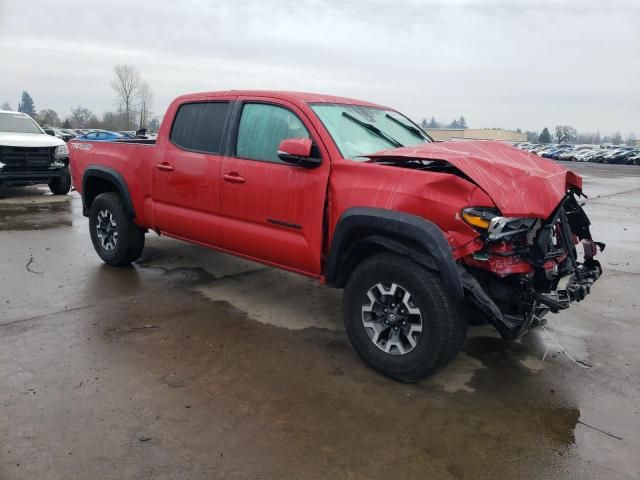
(115,236)
(400,319)
(62,184)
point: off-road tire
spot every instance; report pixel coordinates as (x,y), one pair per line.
(443,327)
(62,184)
(130,237)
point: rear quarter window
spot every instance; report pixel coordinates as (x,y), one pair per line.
(200,126)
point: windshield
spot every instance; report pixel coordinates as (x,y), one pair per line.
(360,131)
(18,123)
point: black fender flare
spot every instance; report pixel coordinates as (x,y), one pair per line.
(402,233)
(113,176)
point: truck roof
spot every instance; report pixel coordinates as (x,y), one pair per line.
(293,97)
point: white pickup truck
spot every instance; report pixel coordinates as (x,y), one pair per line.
(29,156)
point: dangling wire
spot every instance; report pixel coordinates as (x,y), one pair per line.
(552,336)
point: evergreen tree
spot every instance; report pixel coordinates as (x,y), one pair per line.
(545,136)
(616,139)
(26,105)
(433,123)
(462,123)
(6,106)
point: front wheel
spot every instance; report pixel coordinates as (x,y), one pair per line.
(115,236)
(400,319)
(62,184)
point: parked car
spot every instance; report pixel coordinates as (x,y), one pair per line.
(555,153)
(52,132)
(29,156)
(66,136)
(101,136)
(69,131)
(348,192)
(570,153)
(584,155)
(620,156)
(634,159)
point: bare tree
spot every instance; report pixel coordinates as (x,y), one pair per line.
(145,96)
(82,117)
(49,118)
(6,106)
(565,133)
(127,87)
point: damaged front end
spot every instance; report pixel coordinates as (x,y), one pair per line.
(529,267)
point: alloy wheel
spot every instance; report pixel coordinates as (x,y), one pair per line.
(392,319)
(106,229)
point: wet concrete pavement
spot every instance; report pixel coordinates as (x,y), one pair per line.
(193,364)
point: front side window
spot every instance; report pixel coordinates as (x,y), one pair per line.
(200,126)
(18,123)
(360,130)
(262,128)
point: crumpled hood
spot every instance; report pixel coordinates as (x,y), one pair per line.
(13,139)
(519,183)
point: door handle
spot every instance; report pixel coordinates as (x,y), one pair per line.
(164,166)
(233,178)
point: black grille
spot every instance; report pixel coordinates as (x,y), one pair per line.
(26,159)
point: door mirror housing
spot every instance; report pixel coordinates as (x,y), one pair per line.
(298,151)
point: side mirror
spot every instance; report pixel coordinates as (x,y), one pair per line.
(298,151)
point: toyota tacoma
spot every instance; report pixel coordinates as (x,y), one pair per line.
(424,237)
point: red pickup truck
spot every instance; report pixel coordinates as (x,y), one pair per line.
(423,236)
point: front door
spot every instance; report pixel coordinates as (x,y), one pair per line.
(273,211)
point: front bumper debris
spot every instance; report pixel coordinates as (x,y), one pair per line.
(557,277)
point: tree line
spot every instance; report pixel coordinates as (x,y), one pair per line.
(561,133)
(433,123)
(568,134)
(133,100)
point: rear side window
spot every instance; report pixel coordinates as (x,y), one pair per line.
(262,128)
(199,126)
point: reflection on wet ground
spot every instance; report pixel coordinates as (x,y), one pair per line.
(23,209)
(194,364)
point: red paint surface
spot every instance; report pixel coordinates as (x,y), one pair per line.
(521,184)
(227,203)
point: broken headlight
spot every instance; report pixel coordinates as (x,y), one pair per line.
(489,221)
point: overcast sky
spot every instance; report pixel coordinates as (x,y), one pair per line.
(500,63)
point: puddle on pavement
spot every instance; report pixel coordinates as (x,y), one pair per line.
(458,375)
(560,422)
(42,212)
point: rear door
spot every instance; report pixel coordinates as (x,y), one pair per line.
(186,180)
(272,211)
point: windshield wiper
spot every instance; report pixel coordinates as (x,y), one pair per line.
(372,128)
(416,131)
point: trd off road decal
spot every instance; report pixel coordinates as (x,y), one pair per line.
(82,146)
